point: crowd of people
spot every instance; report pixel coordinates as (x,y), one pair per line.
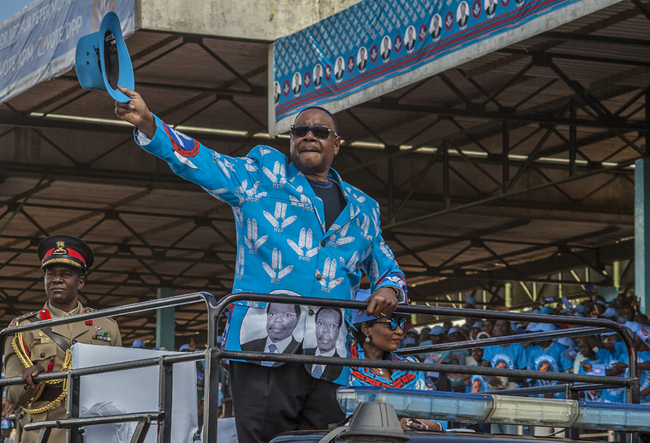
(592,355)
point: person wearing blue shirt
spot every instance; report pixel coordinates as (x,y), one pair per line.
(511,356)
(301,231)
(549,356)
(592,363)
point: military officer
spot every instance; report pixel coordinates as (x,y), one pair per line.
(65,260)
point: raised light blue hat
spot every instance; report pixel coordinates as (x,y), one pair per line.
(102,60)
(471,300)
(138,344)
(5,424)
(478,325)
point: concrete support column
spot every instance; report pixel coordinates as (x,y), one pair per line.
(165,327)
(641,237)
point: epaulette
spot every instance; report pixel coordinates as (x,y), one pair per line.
(17,319)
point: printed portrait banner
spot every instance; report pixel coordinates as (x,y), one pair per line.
(39,42)
(378,46)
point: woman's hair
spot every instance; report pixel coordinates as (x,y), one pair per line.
(356,331)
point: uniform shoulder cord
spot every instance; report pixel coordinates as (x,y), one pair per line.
(18,346)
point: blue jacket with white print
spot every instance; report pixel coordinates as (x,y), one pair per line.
(282,244)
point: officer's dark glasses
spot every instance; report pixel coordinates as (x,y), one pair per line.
(322,132)
(394,322)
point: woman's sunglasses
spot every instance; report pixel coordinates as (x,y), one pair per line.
(321,132)
(394,322)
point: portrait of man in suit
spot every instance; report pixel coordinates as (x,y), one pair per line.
(490,7)
(410,39)
(296,83)
(339,69)
(385,48)
(318,76)
(328,326)
(463,15)
(277,91)
(281,321)
(362,59)
(435,27)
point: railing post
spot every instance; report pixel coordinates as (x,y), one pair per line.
(211,395)
(72,405)
(165,400)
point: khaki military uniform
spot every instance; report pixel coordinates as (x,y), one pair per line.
(42,350)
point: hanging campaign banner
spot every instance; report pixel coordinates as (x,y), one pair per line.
(39,42)
(378,46)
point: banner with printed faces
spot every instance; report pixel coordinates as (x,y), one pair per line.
(378,46)
(39,42)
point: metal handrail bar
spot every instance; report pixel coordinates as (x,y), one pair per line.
(111,312)
(417,366)
(89,421)
(110,367)
(521,338)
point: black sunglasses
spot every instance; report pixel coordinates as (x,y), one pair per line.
(322,132)
(394,322)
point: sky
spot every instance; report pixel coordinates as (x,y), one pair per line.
(10,7)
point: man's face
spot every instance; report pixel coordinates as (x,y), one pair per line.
(627,312)
(312,155)
(411,33)
(318,71)
(281,320)
(436,339)
(327,329)
(500,328)
(363,53)
(62,285)
(435,21)
(462,9)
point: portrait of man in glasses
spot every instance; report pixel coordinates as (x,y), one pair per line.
(281,321)
(300,227)
(328,323)
(409,39)
(362,59)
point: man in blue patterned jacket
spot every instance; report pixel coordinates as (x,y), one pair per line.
(301,230)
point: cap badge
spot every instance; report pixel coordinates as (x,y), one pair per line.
(60,248)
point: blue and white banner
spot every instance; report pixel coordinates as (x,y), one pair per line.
(39,42)
(378,46)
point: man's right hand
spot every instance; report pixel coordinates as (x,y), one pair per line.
(30,373)
(136,112)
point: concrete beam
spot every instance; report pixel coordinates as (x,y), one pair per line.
(239,19)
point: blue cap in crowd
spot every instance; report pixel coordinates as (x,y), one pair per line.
(478,325)
(138,344)
(471,300)
(5,424)
(546,310)
(437,330)
(408,340)
(453,330)
(581,309)
(566,341)
(184,348)
(610,313)
(600,302)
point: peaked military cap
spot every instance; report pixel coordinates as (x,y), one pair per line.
(66,250)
